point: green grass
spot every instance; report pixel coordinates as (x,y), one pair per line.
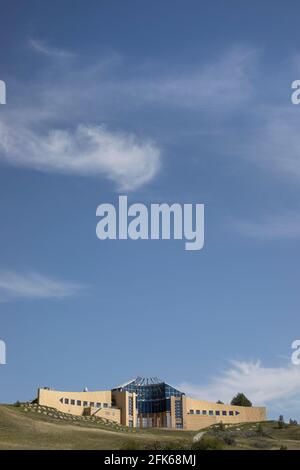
(255,436)
(32,430)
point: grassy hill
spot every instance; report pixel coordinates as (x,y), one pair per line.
(33,428)
(20,429)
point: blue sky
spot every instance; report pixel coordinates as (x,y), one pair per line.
(166,102)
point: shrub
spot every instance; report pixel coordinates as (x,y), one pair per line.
(131,445)
(262,444)
(208,443)
(177,445)
(165,445)
(221,426)
(229,440)
(17,404)
(260,430)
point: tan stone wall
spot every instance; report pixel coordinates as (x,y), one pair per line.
(56,399)
(198,421)
(113,414)
(195,422)
(121,401)
(120,412)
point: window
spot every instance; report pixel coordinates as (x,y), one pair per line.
(197,412)
(153,396)
(105,405)
(85,403)
(92,404)
(210,412)
(130,406)
(230,413)
(66,401)
(204,412)
(178,407)
(98,405)
(78,402)
(224,413)
(191,412)
(72,402)
(217,413)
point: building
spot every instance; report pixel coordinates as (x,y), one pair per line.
(149,403)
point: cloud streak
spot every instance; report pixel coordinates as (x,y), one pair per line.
(33,285)
(275,145)
(87,151)
(61,132)
(222,84)
(277,227)
(274,386)
(43,48)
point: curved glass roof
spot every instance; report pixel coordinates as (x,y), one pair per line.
(140,383)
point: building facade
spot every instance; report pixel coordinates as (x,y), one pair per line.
(149,403)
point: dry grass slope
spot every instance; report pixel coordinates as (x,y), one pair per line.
(40,428)
(33,430)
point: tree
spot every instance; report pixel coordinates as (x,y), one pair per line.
(219,402)
(281,423)
(241,400)
(293,422)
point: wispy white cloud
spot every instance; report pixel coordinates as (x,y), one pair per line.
(224,82)
(50,51)
(87,150)
(33,285)
(275,145)
(285,226)
(278,387)
(59,134)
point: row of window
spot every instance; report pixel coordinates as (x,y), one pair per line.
(130,406)
(214,412)
(178,409)
(68,401)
